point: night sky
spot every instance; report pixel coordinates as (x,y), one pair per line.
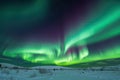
(59,32)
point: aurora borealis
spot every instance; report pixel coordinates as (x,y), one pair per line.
(59,32)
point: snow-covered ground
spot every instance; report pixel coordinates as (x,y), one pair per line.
(11,72)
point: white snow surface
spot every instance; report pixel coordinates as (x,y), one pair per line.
(11,72)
